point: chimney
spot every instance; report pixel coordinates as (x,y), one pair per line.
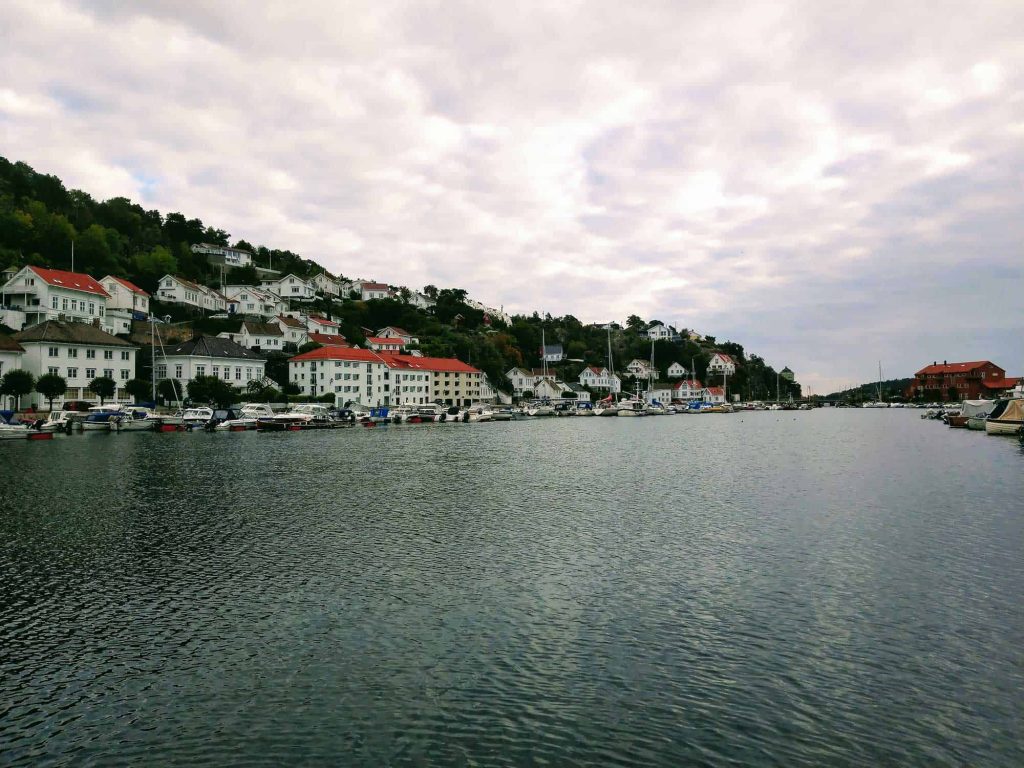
(944,362)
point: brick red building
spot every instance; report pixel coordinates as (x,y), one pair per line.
(972,381)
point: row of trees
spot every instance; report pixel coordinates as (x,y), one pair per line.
(19,382)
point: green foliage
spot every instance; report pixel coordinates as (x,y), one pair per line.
(103,387)
(169,391)
(212,390)
(51,386)
(139,389)
(17,383)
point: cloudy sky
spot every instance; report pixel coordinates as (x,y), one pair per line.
(830,184)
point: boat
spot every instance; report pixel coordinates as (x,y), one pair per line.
(1006,418)
(99,418)
(11,428)
(196,417)
(584,409)
(631,406)
(401,414)
(304,416)
(501,414)
(480,413)
(133,418)
(975,413)
(246,418)
(428,414)
(539,408)
(59,421)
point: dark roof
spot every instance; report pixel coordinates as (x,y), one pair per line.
(69,333)
(8,344)
(211,346)
(262,329)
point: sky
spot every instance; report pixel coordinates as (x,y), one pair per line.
(832,185)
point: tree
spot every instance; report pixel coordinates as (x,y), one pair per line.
(139,389)
(243,276)
(430,291)
(213,390)
(103,387)
(51,386)
(17,383)
(635,322)
(168,390)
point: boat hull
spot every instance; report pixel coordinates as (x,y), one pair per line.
(976,423)
(997,427)
(958,421)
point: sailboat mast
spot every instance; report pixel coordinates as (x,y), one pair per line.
(152,349)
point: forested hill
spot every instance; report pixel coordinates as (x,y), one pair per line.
(890,388)
(39,219)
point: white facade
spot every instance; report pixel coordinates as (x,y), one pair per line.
(378,344)
(370,291)
(688,389)
(391,332)
(118,321)
(293,329)
(713,395)
(641,369)
(291,287)
(722,363)
(78,364)
(319,324)
(10,360)
(676,371)
(546,388)
(222,254)
(662,394)
(353,376)
(51,294)
(262,336)
(421,301)
(204,357)
(125,295)
(326,285)
(660,331)
(250,300)
(521,380)
(178,290)
(600,378)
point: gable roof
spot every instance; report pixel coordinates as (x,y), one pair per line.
(338,353)
(291,322)
(69,333)
(384,340)
(74,281)
(725,357)
(262,329)
(953,367)
(129,285)
(689,384)
(716,391)
(211,346)
(323,321)
(442,364)
(375,287)
(8,344)
(396,329)
(328,339)
(1008,382)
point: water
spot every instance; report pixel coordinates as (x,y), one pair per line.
(825,588)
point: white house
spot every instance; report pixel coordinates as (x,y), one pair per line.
(222,254)
(249,300)
(265,337)
(722,363)
(661,392)
(553,353)
(79,353)
(660,331)
(688,389)
(421,301)
(326,285)
(290,288)
(600,378)
(53,294)
(582,395)
(394,332)
(328,339)
(11,354)
(375,291)
(379,344)
(126,295)
(641,369)
(209,356)
(178,290)
(521,380)
(353,376)
(549,388)
(294,330)
(676,371)
(713,395)
(320,324)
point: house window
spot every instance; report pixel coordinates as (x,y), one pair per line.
(124,355)
(177,371)
(227,373)
(90,373)
(72,373)
(54,302)
(216,371)
(108,354)
(90,354)
(108,372)
(200,370)
(64,304)
(54,371)
(54,351)
(74,305)
(72,352)
(248,374)
(125,374)
(161,371)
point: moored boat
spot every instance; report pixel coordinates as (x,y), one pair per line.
(1006,418)
(246,418)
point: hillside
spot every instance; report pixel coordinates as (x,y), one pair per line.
(39,219)
(891,388)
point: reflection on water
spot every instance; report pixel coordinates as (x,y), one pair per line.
(822,588)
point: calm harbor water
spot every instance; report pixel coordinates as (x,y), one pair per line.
(826,588)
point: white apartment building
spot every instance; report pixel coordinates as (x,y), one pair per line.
(178,290)
(222,254)
(209,356)
(600,378)
(79,353)
(53,294)
(290,288)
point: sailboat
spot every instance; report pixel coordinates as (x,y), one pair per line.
(607,407)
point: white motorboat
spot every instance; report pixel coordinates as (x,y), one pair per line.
(502,414)
(480,413)
(1007,418)
(401,414)
(632,406)
(196,417)
(12,429)
(248,416)
(98,418)
(58,421)
(303,416)
(538,408)
(133,418)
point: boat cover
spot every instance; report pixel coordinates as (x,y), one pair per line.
(972,408)
(1014,411)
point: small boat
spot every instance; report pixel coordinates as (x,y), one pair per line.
(1006,418)
(501,414)
(11,428)
(246,418)
(975,412)
(632,406)
(539,408)
(59,421)
(301,417)
(133,418)
(401,414)
(98,419)
(196,417)
(480,413)
(428,414)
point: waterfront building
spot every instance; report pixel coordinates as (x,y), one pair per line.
(549,388)
(266,337)
(521,380)
(713,395)
(36,294)
(11,355)
(722,364)
(79,353)
(209,356)
(363,377)
(688,389)
(662,392)
(600,378)
(974,380)
(582,395)
(676,371)
(126,295)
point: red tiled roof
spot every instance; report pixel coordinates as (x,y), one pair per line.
(72,280)
(693,384)
(716,391)
(399,331)
(375,287)
(323,321)
(725,357)
(595,369)
(952,367)
(129,285)
(328,339)
(433,363)
(339,353)
(382,340)
(1008,382)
